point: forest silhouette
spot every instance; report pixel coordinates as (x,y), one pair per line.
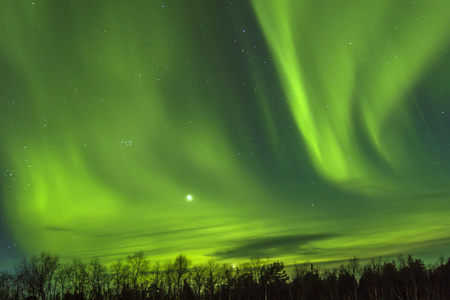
(44,276)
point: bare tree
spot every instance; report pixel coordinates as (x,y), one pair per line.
(228,273)
(36,275)
(169,278)
(181,268)
(139,268)
(6,285)
(26,285)
(256,266)
(79,277)
(198,276)
(62,278)
(120,276)
(96,274)
(212,272)
(156,279)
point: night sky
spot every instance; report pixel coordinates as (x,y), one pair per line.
(294,130)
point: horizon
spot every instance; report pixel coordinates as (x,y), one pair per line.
(289,267)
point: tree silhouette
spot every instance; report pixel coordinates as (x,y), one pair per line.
(274,280)
(212,277)
(120,276)
(181,266)
(35,275)
(228,279)
(97,277)
(169,278)
(6,285)
(198,277)
(138,268)
(43,277)
(347,283)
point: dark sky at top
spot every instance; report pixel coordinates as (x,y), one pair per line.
(291,130)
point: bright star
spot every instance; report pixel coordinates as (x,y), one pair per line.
(189,198)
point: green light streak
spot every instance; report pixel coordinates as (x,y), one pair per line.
(347,71)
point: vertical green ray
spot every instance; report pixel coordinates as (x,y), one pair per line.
(347,69)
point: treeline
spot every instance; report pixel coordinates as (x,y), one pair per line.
(45,277)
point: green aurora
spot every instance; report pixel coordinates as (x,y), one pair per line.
(302,130)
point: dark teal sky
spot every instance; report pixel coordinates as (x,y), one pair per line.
(291,130)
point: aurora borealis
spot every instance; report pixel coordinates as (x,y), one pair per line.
(292,130)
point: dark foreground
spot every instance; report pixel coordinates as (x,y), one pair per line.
(44,277)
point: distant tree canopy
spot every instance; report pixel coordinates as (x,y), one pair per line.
(45,277)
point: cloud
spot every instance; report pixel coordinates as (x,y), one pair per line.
(274,246)
(174,232)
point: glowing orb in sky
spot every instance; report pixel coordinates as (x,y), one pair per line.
(189,198)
